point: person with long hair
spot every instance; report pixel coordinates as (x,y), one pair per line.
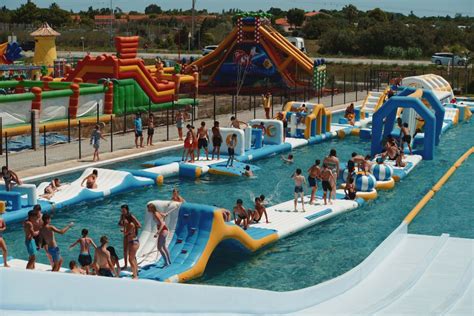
(131,234)
(333,164)
(161,233)
(125,216)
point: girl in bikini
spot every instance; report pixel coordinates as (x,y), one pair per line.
(161,234)
(188,144)
(131,233)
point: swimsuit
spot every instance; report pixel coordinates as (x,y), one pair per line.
(179,123)
(230,151)
(311,181)
(8,179)
(30,247)
(105,272)
(84,259)
(326,186)
(95,139)
(216,141)
(298,189)
(151,131)
(54,252)
(134,241)
(188,142)
(202,142)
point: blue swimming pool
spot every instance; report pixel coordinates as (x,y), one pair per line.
(312,256)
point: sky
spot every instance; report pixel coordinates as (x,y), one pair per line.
(419,7)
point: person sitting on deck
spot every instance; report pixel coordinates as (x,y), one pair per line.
(91,180)
(349,114)
(103,263)
(240,215)
(393,152)
(51,188)
(10,178)
(258,212)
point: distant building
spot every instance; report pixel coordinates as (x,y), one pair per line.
(283,22)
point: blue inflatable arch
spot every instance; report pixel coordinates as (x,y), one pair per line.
(384,119)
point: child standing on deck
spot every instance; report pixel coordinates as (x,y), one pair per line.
(85,258)
(96,136)
(151,130)
(299,181)
(231,150)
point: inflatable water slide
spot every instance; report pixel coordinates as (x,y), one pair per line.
(196,230)
(254,56)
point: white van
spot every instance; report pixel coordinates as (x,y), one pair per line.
(298,42)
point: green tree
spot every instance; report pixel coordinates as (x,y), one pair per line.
(153,9)
(337,41)
(295,17)
(276,12)
(27,13)
(377,15)
(350,13)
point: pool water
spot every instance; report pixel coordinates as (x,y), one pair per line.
(311,256)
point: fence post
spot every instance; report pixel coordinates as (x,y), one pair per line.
(194,108)
(111,133)
(44,144)
(356,83)
(6,149)
(272,106)
(35,130)
(97,110)
(250,102)
(124,117)
(167,125)
(344,87)
(80,141)
(254,108)
(214,105)
(68,125)
(332,90)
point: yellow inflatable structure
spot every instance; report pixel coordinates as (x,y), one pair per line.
(45,46)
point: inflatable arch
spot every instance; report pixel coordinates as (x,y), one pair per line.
(429,82)
(384,119)
(317,119)
(273,130)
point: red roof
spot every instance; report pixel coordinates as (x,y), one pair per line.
(310,14)
(104,17)
(282,22)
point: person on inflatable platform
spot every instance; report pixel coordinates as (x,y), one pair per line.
(3,244)
(333,163)
(138,127)
(355,159)
(350,189)
(162,232)
(235,123)
(349,114)
(216,140)
(125,216)
(91,180)
(131,234)
(299,192)
(241,218)
(203,139)
(231,150)
(258,212)
(327,179)
(405,137)
(10,178)
(85,258)
(48,232)
(393,152)
(103,264)
(176,197)
(283,119)
(30,234)
(188,145)
(313,177)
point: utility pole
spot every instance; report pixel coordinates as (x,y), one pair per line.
(192,21)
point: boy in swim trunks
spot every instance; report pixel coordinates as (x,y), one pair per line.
(91,180)
(259,211)
(150,130)
(103,263)
(313,177)
(216,140)
(138,126)
(327,177)
(299,181)
(203,138)
(240,215)
(85,241)
(30,234)
(47,232)
(231,150)
(405,137)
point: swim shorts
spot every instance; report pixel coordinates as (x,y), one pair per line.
(105,273)
(30,247)
(326,186)
(85,259)
(230,151)
(407,139)
(151,131)
(202,143)
(216,141)
(138,133)
(54,252)
(311,181)
(298,189)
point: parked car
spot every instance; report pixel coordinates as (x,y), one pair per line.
(447,59)
(208,49)
(298,42)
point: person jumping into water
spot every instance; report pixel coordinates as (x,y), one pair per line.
(299,181)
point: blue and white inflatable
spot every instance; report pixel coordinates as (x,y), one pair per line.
(382,172)
(364,182)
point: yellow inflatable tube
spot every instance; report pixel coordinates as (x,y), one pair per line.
(385,185)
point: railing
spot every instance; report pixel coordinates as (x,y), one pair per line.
(422,203)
